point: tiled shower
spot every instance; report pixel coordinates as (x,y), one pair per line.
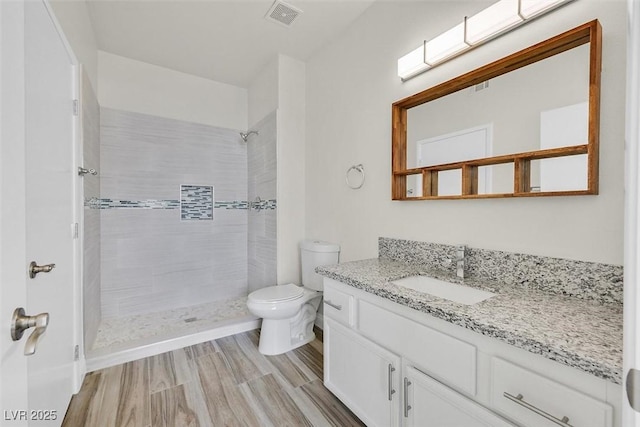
(180,223)
(262,193)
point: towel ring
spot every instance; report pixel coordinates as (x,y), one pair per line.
(360,169)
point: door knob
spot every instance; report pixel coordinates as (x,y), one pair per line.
(633,389)
(35,268)
(21,323)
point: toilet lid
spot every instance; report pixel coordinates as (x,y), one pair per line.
(277,293)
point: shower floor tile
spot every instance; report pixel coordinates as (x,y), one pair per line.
(124,332)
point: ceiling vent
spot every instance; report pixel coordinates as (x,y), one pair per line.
(282,13)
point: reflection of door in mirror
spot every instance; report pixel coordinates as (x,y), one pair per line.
(558,128)
(467,144)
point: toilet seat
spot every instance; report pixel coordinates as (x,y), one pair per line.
(279,293)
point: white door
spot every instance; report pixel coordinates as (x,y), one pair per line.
(426,402)
(37,214)
(631,360)
(363,375)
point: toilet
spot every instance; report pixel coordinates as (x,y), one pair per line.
(288,311)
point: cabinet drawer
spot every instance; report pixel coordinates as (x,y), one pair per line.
(337,305)
(531,399)
(445,358)
(428,402)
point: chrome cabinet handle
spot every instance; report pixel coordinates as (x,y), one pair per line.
(390,371)
(35,269)
(407,407)
(519,399)
(330,304)
(20,323)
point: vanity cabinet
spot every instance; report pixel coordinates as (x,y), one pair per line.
(365,376)
(394,366)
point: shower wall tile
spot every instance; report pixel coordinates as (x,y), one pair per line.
(151,259)
(90,118)
(148,157)
(262,172)
(91,276)
(112,297)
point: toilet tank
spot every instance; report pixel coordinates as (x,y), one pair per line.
(314,253)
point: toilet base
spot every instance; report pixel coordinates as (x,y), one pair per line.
(279,336)
(275,338)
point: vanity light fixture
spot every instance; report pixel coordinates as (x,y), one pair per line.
(485,25)
(413,63)
(495,20)
(446,45)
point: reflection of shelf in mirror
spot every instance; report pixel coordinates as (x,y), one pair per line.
(426,183)
(496,160)
(503,195)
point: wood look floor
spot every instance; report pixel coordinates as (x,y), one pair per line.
(225,382)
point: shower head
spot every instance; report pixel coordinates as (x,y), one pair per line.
(245,136)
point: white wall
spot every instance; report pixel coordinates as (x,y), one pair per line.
(73,17)
(351,85)
(291,167)
(263,93)
(129,85)
(281,85)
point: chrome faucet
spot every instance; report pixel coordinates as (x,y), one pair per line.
(460,260)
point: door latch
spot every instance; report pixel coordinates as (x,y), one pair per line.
(35,269)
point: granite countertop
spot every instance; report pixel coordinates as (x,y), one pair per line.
(584,334)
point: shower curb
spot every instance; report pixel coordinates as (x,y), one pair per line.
(106,357)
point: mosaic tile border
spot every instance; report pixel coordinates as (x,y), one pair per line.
(95,203)
(581,279)
(263,204)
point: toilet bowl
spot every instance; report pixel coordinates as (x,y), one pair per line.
(288,311)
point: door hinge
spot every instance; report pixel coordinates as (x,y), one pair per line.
(76,353)
(74,230)
(76,107)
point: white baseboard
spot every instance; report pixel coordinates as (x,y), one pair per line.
(104,358)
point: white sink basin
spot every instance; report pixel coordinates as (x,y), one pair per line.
(441,289)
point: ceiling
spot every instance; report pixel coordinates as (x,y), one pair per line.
(227,41)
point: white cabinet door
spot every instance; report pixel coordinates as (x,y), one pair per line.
(365,376)
(426,402)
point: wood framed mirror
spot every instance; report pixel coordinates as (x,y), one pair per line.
(526,125)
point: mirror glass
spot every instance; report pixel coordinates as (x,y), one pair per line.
(540,106)
(524,125)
